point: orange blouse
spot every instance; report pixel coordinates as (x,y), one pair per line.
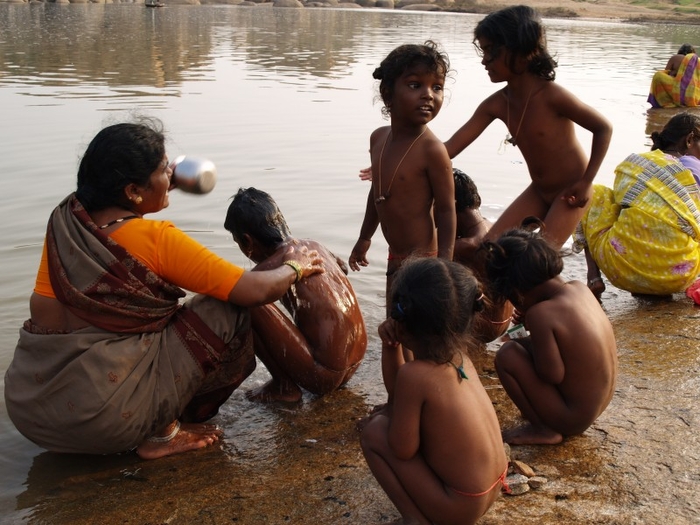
(170,253)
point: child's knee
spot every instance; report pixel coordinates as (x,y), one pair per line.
(374,433)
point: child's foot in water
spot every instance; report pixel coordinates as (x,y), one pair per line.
(273,392)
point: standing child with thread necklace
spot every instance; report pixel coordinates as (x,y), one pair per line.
(540,117)
(412,194)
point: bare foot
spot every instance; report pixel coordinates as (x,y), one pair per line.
(531,435)
(181,438)
(202,428)
(597,286)
(273,392)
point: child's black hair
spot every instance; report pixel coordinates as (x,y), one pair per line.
(254,212)
(521,259)
(519,31)
(403,58)
(466,192)
(435,300)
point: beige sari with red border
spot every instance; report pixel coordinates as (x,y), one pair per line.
(146,359)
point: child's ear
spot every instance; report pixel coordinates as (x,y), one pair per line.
(246,241)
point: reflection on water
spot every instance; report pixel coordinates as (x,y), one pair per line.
(281,99)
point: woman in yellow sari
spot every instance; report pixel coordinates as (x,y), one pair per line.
(643,234)
(679,83)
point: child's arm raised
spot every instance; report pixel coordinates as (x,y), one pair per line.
(570,107)
(484,114)
(442,184)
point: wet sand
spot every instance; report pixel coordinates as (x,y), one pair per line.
(302,464)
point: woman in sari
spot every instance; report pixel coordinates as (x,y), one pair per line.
(679,83)
(111,359)
(644,234)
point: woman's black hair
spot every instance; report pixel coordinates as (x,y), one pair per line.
(401,60)
(254,212)
(520,259)
(686,49)
(673,136)
(519,31)
(435,301)
(117,156)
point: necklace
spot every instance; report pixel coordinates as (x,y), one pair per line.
(460,369)
(510,139)
(117,221)
(387,193)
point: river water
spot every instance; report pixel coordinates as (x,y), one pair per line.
(284,100)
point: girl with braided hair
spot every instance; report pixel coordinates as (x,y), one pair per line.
(435,447)
(562,375)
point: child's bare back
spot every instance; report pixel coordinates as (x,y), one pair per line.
(562,376)
(435,448)
(573,348)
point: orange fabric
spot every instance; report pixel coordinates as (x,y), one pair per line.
(170,253)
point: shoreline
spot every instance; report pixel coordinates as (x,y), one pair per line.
(622,11)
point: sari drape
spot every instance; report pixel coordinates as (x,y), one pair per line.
(644,233)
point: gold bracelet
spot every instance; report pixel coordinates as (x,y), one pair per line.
(297,268)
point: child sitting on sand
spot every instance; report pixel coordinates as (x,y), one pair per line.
(436,447)
(561,376)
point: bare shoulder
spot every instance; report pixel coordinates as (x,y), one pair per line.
(418,371)
(494,104)
(561,99)
(433,146)
(379,133)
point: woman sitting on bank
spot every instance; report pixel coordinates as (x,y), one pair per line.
(644,233)
(110,360)
(679,83)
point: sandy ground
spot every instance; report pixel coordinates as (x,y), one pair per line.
(654,10)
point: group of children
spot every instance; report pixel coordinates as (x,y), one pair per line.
(453,281)
(436,446)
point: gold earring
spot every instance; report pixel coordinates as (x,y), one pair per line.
(138,199)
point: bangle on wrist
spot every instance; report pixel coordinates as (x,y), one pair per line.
(297,268)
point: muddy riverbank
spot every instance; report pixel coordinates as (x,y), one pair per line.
(302,464)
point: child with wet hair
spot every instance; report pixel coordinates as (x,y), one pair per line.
(562,375)
(322,341)
(436,447)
